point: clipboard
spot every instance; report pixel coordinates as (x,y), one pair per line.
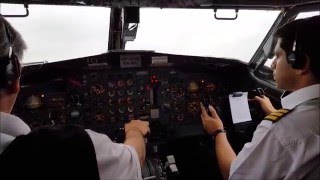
(239,107)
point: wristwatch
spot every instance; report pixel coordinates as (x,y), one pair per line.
(218,131)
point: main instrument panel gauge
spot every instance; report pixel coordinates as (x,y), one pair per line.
(111,84)
(130,109)
(111,93)
(177,106)
(130,92)
(176,92)
(193,107)
(111,102)
(74,99)
(129,82)
(129,100)
(120,83)
(99,117)
(121,92)
(193,86)
(33,102)
(166,107)
(97,89)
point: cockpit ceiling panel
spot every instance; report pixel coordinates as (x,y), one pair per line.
(173,3)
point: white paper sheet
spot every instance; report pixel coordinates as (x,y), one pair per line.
(240,108)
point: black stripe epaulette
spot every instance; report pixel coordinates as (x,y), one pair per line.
(277,115)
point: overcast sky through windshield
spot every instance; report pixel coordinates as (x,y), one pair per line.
(197,32)
(55,33)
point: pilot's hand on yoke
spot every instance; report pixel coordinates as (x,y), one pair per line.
(137,125)
(211,123)
(265,104)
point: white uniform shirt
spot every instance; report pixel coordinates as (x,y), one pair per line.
(115,161)
(287,149)
(11,127)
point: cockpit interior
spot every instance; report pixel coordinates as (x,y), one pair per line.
(140,71)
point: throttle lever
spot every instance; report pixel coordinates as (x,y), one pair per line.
(256,92)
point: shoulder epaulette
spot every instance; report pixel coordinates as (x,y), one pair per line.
(277,115)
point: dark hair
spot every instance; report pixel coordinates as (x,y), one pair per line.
(9,37)
(50,152)
(306,33)
(19,45)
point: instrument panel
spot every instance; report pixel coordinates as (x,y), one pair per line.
(104,98)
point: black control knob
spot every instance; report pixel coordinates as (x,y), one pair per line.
(111,84)
(141,100)
(141,89)
(121,101)
(74,114)
(120,83)
(112,119)
(142,108)
(112,111)
(180,117)
(121,110)
(122,118)
(130,92)
(129,100)
(131,116)
(121,92)
(99,117)
(165,92)
(129,82)
(166,107)
(111,102)
(130,109)
(111,93)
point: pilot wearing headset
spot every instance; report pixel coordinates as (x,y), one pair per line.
(286,143)
(65,152)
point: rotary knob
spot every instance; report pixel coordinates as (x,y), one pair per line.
(111,102)
(111,111)
(111,84)
(130,109)
(121,101)
(111,93)
(130,92)
(129,100)
(121,92)
(120,83)
(121,110)
(129,82)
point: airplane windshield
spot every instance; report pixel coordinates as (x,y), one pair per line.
(196,32)
(55,33)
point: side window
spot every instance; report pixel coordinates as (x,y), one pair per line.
(301,15)
(307,14)
(269,62)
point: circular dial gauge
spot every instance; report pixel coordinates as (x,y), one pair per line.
(97,89)
(193,86)
(193,107)
(176,92)
(33,102)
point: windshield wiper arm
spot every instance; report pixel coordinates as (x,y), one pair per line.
(35,63)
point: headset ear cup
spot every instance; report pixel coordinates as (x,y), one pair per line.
(291,58)
(16,66)
(297,60)
(13,70)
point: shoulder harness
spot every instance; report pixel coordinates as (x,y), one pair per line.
(277,115)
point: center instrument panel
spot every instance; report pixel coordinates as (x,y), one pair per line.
(103,92)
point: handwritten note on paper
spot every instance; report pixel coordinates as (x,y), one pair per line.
(240,108)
